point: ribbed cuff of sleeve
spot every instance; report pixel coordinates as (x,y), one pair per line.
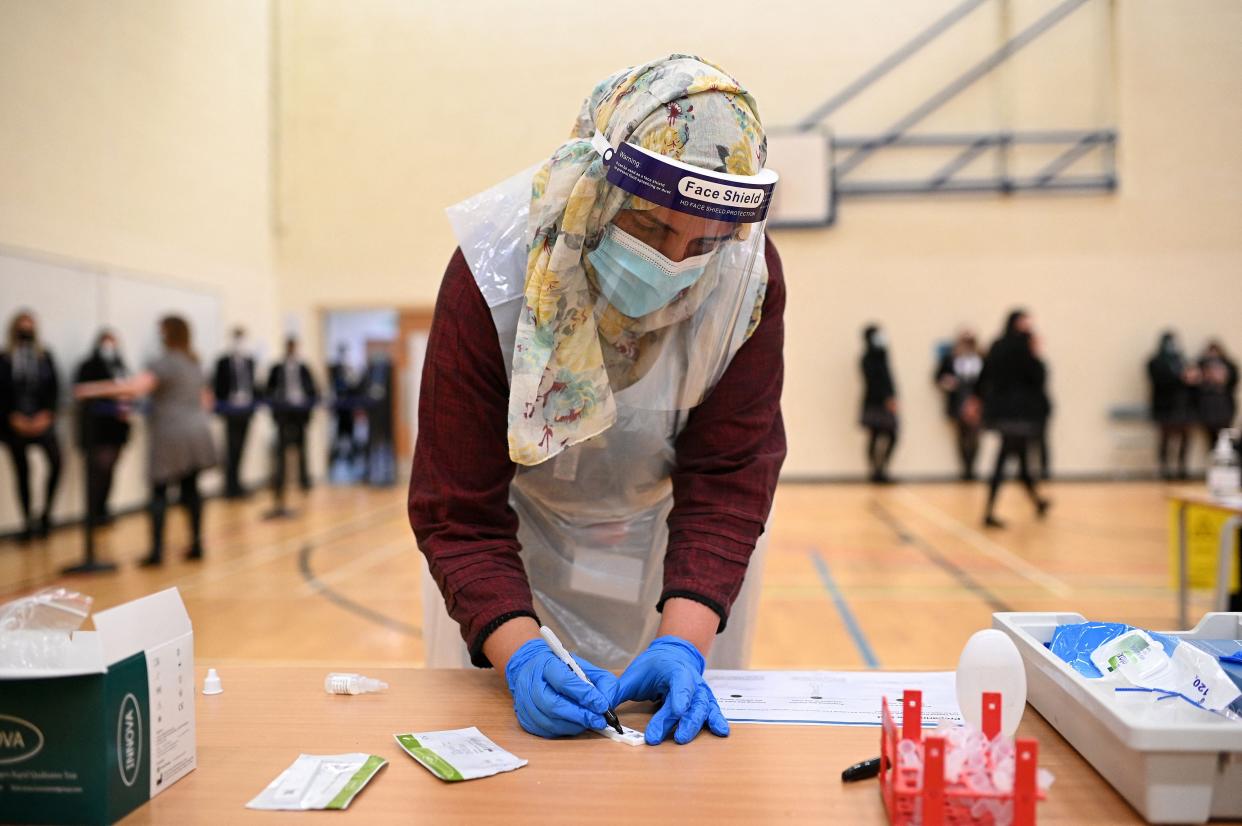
(700,599)
(477,658)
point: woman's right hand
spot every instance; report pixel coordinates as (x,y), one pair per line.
(549,699)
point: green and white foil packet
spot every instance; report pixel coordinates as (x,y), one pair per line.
(459,754)
(319,781)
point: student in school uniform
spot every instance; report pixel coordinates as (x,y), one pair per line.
(103,424)
(1174,381)
(957,375)
(236,397)
(1015,405)
(879,403)
(292,395)
(29,397)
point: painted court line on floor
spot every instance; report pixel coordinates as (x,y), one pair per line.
(363,561)
(984,545)
(843,608)
(933,555)
(342,601)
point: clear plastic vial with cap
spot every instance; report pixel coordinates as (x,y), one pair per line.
(336,683)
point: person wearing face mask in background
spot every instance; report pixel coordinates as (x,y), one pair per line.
(292,394)
(602,394)
(233,383)
(1173,385)
(103,424)
(179,445)
(29,395)
(1218,389)
(879,404)
(1011,387)
(347,402)
(957,374)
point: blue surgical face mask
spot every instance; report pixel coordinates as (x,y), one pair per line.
(636,278)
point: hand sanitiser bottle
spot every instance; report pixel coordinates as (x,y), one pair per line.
(1223,477)
(336,683)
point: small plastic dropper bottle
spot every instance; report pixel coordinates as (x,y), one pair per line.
(1223,477)
(336,683)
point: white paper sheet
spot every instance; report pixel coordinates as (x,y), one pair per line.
(830,698)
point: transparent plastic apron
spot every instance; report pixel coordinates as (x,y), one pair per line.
(592,521)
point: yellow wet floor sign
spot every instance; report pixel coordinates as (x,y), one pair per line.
(1203,526)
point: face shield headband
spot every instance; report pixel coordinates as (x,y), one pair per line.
(692,190)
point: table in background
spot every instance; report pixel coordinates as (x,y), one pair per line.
(1184,499)
(759,774)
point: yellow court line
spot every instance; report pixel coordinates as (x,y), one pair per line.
(984,545)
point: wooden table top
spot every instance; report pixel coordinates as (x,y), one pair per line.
(759,774)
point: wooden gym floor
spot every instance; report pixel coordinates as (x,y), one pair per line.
(857,576)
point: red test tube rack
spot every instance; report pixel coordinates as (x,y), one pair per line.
(914,795)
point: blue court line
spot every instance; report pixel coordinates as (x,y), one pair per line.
(847,616)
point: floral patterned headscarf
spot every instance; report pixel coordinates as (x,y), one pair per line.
(565,361)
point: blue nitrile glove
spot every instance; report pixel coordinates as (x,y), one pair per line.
(549,699)
(672,669)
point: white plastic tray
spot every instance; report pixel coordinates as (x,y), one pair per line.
(1181,771)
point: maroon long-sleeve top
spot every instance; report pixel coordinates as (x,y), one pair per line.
(728,459)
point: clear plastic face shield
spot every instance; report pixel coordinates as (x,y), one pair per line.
(683,264)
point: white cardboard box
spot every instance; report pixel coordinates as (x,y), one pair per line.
(93,740)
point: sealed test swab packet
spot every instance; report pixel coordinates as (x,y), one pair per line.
(319,781)
(629,736)
(459,754)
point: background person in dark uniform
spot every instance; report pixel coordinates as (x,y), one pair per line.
(957,374)
(376,388)
(234,387)
(29,394)
(1173,382)
(1218,388)
(1014,404)
(879,405)
(292,395)
(103,424)
(345,405)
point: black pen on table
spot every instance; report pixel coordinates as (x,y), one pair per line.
(550,638)
(861,771)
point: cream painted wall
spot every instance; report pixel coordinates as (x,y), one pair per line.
(134,135)
(391,111)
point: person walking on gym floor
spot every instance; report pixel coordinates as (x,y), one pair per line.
(178,431)
(1014,404)
(1173,383)
(29,394)
(957,374)
(879,405)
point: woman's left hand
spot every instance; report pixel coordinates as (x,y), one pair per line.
(671,669)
